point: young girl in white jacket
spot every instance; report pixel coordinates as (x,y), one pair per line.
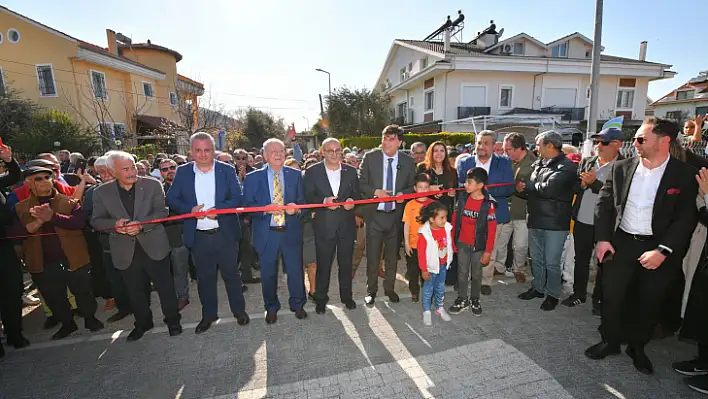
(434,258)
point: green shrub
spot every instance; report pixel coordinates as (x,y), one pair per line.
(367,142)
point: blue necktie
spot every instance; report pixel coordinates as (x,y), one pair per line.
(388,207)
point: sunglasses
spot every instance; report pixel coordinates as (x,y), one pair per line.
(240,158)
(181,163)
(167,169)
(602,142)
(640,140)
(41,178)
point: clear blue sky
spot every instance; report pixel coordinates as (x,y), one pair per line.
(263,48)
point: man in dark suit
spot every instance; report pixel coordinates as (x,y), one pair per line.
(246,256)
(277,232)
(385,172)
(592,173)
(202,185)
(644,219)
(138,251)
(335,228)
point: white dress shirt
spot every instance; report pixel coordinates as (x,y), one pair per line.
(334,177)
(205,188)
(639,208)
(394,167)
(482,165)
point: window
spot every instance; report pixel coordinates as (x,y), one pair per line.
(412,102)
(98,82)
(13,35)
(701,110)
(0,37)
(401,110)
(560,50)
(2,82)
(147,89)
(429,100)
(45,77)
(588,54)
(625,98)
(119,130)
(424,63)
(505,96)
(403,74)
(519,48)
(105,129)
(685,94)
(410,67)
(587,92)
(173,98)
(674,115)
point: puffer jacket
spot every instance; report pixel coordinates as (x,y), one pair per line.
(550,194)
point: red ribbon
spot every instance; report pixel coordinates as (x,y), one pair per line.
(270,208)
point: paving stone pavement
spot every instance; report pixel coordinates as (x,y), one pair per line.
(514,350)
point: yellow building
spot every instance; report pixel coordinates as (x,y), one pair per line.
(127,91)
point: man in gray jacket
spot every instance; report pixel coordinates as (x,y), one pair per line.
(139,251)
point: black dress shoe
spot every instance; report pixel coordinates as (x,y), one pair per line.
(137,333)
(393,297)
(118,316)
(640,360)
(602,350)
(174,329)
(65,331)
(93,324)
(349,303)
(271,317)
(254,280)
(242,318)
(18,342)
(51,322)
(300,313)
(370,299)
(204,325)
(550,303)
(320,308)
(530,294)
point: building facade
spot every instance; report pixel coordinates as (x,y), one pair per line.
(686,101)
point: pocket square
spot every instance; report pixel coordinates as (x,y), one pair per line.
(673,191)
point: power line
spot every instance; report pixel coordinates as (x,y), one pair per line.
(172,87)
(153,97)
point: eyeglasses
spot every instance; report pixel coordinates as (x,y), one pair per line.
(602,142)
(41,178)
(240,158)
(167,169)
(640,140)
(419,153)
(181,163)
(330,152)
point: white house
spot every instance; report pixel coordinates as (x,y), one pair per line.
(443,82)
(686,101)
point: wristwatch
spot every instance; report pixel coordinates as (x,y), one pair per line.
(664,251)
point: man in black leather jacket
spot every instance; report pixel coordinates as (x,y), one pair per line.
(550,204)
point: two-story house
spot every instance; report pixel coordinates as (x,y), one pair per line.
(126,90)
(686,101)
(444,83)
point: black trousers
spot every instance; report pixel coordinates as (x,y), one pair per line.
(413,272)
(584,238)
(101,283)
(325,248)
(140,272)
(383,230)
(118,288)
(632,295)
(11,289)
(246,253)
(53,282)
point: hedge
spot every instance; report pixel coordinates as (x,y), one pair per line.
(366,142)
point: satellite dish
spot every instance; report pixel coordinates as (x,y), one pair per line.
(501,32)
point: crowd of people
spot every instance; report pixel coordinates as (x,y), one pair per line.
(82,229)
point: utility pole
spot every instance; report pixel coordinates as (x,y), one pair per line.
(321,107)
(595,74)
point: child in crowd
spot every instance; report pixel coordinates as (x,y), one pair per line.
(473,240)
(410,232)
(435,251)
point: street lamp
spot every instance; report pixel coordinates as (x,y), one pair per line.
(329,79)
(308,123)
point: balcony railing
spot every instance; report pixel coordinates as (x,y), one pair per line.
(569,114)
(468,112)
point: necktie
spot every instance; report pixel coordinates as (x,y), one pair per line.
(278,199)
(388,207)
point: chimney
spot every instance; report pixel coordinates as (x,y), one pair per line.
(112,43)
(447,40)
(643,51)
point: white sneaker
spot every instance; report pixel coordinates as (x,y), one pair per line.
(428,318)
(509,273)
(443,314)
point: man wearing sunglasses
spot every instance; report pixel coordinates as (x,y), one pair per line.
(592,173)
(645,216)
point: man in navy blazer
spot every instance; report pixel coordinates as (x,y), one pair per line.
(499,170)
(277,232)
(202,185)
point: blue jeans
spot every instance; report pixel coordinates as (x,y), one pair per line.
(546,249)
(435,286)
